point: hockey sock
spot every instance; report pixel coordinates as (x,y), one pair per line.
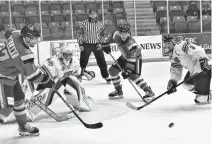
(19,112)
(116,81)
(142,84)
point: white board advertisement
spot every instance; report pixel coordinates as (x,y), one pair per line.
(151,48)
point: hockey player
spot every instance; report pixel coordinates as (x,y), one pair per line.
(194,59)
(130,61)
(15,58)
(65,68)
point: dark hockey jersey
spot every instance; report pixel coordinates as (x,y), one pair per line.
(126,47)
(16,58)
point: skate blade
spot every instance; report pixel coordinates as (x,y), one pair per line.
(28,134)
(114,98)
(203,103)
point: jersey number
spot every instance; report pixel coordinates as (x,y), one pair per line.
(4,54)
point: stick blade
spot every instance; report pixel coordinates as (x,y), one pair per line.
(129,105)
(94,126)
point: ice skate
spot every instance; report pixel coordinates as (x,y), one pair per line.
(27,130)
(202,99)
(117,94)
(149,94)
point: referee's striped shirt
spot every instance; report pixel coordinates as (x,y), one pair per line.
(92,32)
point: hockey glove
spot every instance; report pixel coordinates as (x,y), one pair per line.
(106,48)
(126,73)
(171,86)
(204,64)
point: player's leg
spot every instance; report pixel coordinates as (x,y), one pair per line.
(202,87)
(20,114)
(75,94)
(135,77)
(114,71)
(7,101)
(100,58)
(84,57)
(189,85)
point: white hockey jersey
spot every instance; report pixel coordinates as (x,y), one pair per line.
(58,69)
(186,55)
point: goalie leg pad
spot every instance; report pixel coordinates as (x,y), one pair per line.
(76,95)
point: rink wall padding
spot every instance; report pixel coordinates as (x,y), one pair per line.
(152,48)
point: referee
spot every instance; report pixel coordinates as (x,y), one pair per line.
(92,34)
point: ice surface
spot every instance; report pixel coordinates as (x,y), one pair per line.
(121,124)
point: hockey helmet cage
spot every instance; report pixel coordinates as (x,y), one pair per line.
(30,31)
(66,54)
(124,27)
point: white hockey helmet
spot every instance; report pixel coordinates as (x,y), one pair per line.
(66,54)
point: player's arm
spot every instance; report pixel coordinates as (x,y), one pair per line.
(74,68)
(135,51)
(176,71)
(105,45)
(80,32)
(199,53)
(190,48)
(25,64)
(102,33)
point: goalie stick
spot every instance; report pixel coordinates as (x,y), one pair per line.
(128,104)
(36,100)
(90,126)
(49,111)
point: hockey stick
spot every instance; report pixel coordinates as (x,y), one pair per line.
(47,110)
(90,126)
(128,104)
(127,78)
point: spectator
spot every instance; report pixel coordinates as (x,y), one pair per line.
(92,34)
(192,10)
(206,8)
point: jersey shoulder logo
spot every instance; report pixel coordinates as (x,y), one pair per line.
(176,59)
(11,47)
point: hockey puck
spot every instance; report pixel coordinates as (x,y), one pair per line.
(171,125)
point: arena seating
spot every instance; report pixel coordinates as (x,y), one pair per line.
(56,16)
(180,22)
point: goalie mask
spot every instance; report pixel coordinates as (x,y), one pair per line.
(124,31)
(66,55)
(30,35)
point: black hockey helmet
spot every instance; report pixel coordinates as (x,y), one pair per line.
(123,27)
(167,38)
(30,31)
